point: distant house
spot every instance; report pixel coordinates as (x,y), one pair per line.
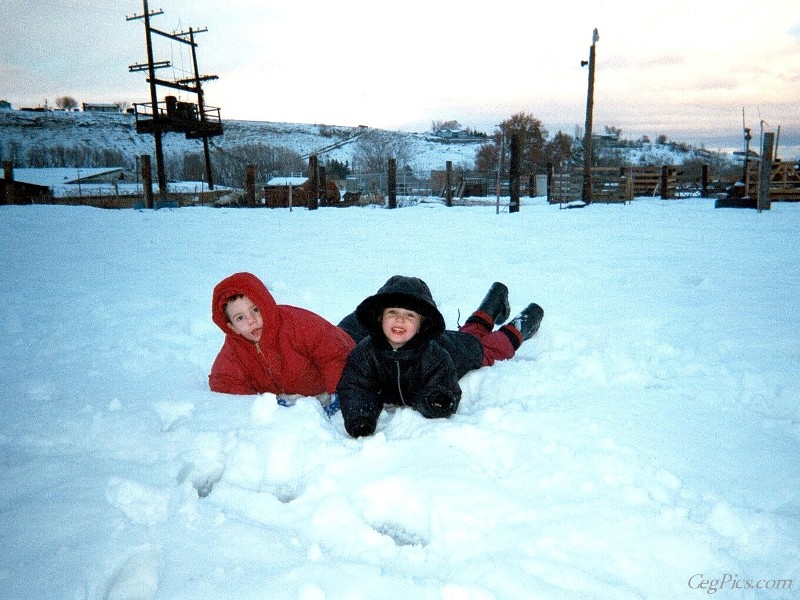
(100,107)
(453,134)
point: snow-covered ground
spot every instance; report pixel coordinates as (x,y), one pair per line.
(644,444)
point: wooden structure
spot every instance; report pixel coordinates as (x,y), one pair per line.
(277,192)
(20,192)
(466,184)
(784,185)
(614,184)
(179,117)
(197,121)
(784,181)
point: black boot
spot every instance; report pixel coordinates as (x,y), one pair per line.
(525,323)
(494,305)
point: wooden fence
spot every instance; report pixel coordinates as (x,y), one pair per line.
(784,181)
(615,184)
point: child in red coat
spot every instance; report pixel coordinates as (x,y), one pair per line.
(281,349)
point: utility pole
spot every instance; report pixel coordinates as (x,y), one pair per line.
(501,155)
(183,117)
(151,68)
(513,172)
(587,136)
(201,108)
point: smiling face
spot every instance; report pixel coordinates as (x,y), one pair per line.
(400,325)
(244,318)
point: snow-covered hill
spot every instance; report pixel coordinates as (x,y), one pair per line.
(34,139)
(25,135)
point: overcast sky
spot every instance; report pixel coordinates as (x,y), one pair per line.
(686,69)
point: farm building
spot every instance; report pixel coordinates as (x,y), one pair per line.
(101,107)
(279,190)
(65,182)
(59,185)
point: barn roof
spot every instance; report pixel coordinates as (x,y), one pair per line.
(55,176)
(287,181)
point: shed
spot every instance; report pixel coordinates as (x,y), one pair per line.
(101,107)
(276,192)
(66,181)
(19,192)
(48,185)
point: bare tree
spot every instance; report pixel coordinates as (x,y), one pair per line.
(375,148)
(486,157)
(66,102)
(533,138)
(558,151)
(437,126)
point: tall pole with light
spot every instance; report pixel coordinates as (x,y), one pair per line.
(586,194)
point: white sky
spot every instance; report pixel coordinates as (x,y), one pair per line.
(686,69)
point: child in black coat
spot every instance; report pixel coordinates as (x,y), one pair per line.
(405,357)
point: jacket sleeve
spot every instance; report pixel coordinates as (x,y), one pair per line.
(359,386)
(324,344)
(228,375)
(439,393)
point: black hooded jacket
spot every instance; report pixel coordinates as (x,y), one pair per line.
(422,374)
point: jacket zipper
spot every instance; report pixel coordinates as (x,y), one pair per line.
(399,387)
(269,369)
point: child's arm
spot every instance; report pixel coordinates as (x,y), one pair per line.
(227,375)
(440,393)
(324,344)
(358,392)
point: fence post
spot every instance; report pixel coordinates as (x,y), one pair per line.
(313,179)
(664,181)
(765,170)
(323,184)
(513,173)
(391,183)
(250,184)
(704,182)
(8,175)
(448,190)
(549,182)
(147,181)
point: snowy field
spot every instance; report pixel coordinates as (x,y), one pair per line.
(645,444)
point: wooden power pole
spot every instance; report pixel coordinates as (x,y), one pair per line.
(587,136)
(195,120)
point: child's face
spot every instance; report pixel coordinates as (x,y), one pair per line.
(400,325)
(244,318)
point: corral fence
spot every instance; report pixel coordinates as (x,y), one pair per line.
(784,181)
(462,184)
(614,184)
(622,184)
(457,186)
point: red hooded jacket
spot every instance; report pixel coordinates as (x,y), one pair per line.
(299,352)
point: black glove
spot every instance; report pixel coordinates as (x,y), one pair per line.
(360,425)
(437,402)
